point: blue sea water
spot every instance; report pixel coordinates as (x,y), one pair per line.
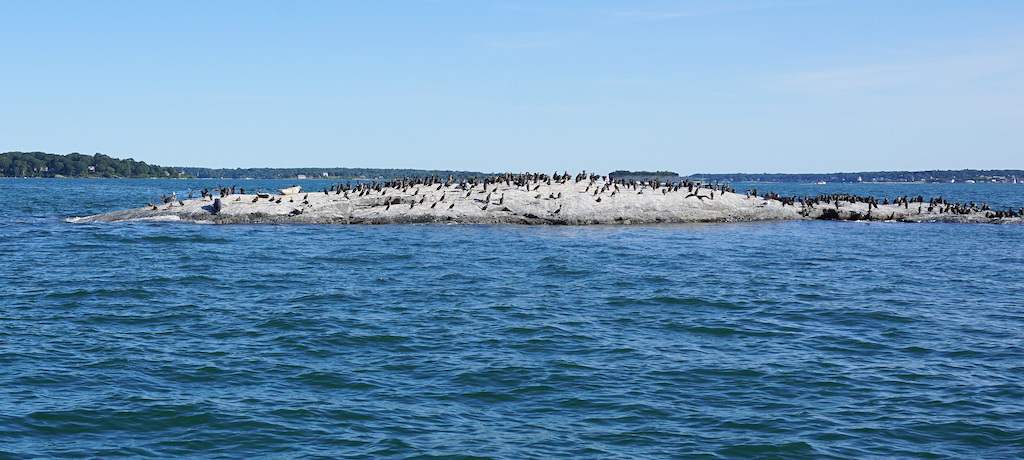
(806,339)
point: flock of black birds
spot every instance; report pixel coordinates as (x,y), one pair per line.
(509,179)
(490,185)
(527,180)
(934,205)
(600,186)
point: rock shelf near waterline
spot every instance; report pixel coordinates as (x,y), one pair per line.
(537,199)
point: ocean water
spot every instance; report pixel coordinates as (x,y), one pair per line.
(749,340)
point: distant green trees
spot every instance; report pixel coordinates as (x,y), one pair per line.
(40,164)
(623,172)
(644,175)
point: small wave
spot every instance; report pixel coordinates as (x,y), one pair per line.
(135,293)
(722,331)
(670,300)
(325,298)
(761,450)
(325,379)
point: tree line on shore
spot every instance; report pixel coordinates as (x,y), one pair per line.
(40,164)
(76,165)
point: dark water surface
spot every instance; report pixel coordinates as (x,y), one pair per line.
(756,340)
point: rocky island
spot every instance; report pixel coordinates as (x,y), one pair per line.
(528,198)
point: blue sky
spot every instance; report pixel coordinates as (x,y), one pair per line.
(688,86)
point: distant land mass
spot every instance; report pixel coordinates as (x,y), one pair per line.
(76,165)
(663,176)
(39,164)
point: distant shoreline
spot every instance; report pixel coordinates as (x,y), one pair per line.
(99,166)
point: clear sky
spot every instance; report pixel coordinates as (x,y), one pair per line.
(688,86)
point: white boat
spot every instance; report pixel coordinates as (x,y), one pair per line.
(290,190)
